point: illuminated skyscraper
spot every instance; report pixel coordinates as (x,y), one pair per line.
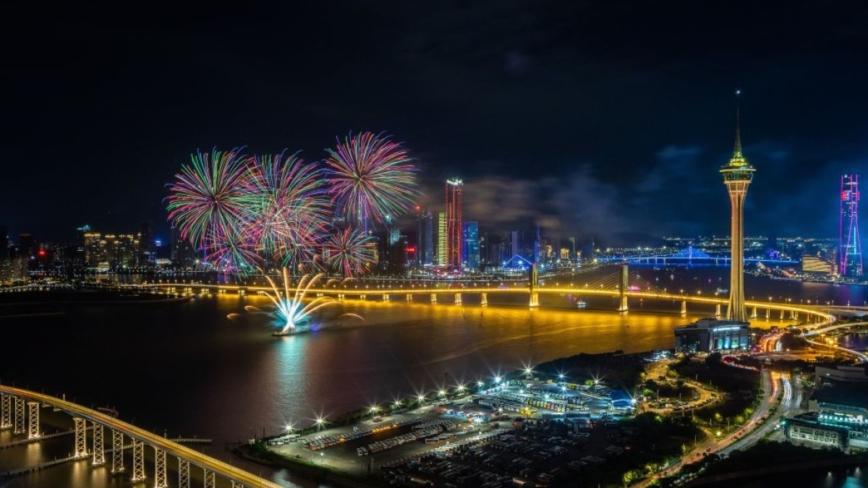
(424,238)
(441,239)
(471,245)
(454,234)
(737,176)
(850,245)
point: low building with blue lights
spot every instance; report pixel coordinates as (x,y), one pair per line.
(710,335)
(838,418)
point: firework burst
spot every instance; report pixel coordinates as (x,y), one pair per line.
(350,252)
(289,209)
(371,178)
(208,196)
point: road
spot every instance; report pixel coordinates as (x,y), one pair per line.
(772,388)
(171,448)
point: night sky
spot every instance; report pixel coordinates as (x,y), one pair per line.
(596,118)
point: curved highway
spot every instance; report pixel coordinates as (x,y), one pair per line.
(195,457)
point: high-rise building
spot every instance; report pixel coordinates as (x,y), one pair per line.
(850,245)
(454,231)
(424,238)
(471,245)
(4,242)
(737,176)
(442,254)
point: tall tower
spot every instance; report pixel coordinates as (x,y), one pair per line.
(850,246)
(737,176)
(454,234)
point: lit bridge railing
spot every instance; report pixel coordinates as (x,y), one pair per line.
(815,314)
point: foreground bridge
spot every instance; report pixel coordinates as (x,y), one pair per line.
(19,410)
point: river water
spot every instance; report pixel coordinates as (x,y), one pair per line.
(186,370)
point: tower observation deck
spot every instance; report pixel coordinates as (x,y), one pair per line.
(737,176)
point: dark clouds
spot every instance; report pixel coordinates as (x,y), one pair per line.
(591,117)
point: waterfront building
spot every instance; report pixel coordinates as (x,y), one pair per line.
(850,245)
(841,373)
(816,266)
(838,417)
(711,335)
(471,245)
(454,237)
(737,175)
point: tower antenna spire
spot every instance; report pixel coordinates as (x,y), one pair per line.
(736,154)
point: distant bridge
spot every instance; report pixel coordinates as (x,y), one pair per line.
(19,411)
(613,285)
(689,256)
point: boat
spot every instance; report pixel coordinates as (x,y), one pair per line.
(281,333)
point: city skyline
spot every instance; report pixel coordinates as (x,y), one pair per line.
(584,118)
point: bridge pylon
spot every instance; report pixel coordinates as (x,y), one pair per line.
(717,310)
(80,437)
(98,446)
(19,416)
(534,300)
(433,298)
(5,411)
(209,479)
(138,461)
(753,314)
(160,468)
(33,420)
(458,298)
(683,307)
(409,297)
(183,473)
(484,300)
(622,288)
(117,451)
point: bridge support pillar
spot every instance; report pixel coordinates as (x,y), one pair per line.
(768,313)
(236,484)
(183,473)
(319,295)
(5,411)
(717,310)
(19,416)
(433,298)
(138,461)
(793,314)
(753,314)
(160,468)
(209,479)
(683,307)
(80,437)
(782,315)
(484,300)
(622,288)
(534,300)
(117,451)
(385,297)
(33,420)
(98,446)
(363,297)
(458,298)
(409,297)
